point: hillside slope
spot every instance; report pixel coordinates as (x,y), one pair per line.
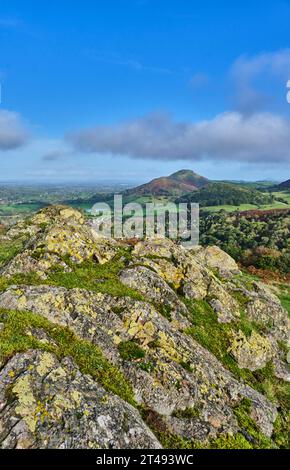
(254,238)
(115,344)
(217,194)
(177,184)
(284,185)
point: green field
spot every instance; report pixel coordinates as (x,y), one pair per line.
(282,201)
(245,207)
(285,195)
(16,209)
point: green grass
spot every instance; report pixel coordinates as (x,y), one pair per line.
(276,204)
(89,275)
(226,441)
(245,207)
(19,209)
(9,249)
(89,358)
(187,413)
(248,425)
(285,300)
(95,277)
(129,350)
(170,440)
(228,208)
(285,195)
(216,338)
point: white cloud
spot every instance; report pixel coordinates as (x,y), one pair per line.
(277,63)
(13,133)
(259,138)
(250,76)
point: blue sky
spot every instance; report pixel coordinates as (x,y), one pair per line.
(133,89)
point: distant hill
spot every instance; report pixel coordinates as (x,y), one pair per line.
(175,185)
(219,194)
(284,185)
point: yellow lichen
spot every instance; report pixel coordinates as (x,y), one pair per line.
(168,346)
(26,407)
(137,328)
(46,363)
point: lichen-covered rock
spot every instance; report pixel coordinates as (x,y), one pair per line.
(225,306)
(25,262)
(154,289)
(214,258)
(251,353)
(271,315)
(54,235)
(157,247)
(184,329)
(175,373)
(175,265)
(165,269)
(46,403)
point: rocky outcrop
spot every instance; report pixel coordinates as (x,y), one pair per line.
(175,358)
(215,258)
(185,338)
(47,403)
(55,237)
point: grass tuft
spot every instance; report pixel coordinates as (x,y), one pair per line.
(15,338)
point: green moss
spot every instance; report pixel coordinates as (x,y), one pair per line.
(164,310)
(96,277)
(38,253)
(246,326)
(188,413)
(226,441)
(186,366)
(129,350)
(43,226)
(211,334)
(147,366)
(89,275)
(240,297)
(15,338)
(9,249)
(118,310)
(4,283)
(246,280)
(281,431)
(159,427)
(216,338)
(248,425)
(285,301)
(172,441)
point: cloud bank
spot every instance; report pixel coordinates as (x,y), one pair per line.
(250,74)
(277,63)
(12,131)
(255,138)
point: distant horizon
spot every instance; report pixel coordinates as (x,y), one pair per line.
(87,182)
